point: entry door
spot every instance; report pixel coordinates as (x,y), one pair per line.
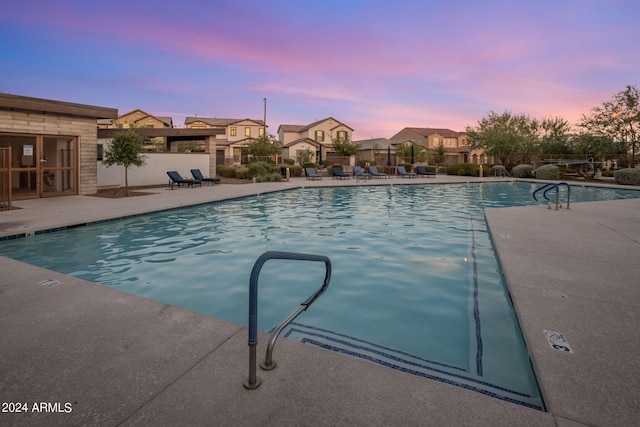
(24,168)
(58,170)
(42,166)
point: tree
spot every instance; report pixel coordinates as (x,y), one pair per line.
(420,153)
(503,135)
(125,150)
(554,137)
(344,147)
(264,146)
(618,119)
(510,134)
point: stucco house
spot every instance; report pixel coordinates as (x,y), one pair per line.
(237,132)
(317,136)
(140,119)
(53,145)
(455,144)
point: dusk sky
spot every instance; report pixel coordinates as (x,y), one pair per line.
(377,66)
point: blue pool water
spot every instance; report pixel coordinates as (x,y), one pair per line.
(416,285)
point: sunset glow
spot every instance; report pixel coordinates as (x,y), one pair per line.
(375,65)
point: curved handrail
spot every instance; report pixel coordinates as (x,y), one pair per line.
(253,381)
(553,186)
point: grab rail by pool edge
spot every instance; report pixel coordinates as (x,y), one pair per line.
(253,381)
(550,186)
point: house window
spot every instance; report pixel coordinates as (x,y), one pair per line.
(100,152)
(261,132)
(342,134)
(234,131)
(319,136)
(247,131)
(450,142)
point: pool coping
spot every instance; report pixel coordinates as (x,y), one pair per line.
(414,402)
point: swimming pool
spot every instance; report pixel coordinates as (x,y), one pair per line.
(415,286)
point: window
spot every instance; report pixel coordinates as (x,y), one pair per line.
(451,142)
(319,136)
(247,131)
(342,134)
(234,131)
(261,132)
(100,152)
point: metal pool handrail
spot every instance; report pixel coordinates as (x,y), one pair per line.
(552,186)
(253,381)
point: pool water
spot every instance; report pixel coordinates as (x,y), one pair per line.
(416,285)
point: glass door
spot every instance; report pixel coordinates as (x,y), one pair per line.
(58,171)
(24,152)
(42,166)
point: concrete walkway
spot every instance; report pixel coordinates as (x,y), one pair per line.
(77,353)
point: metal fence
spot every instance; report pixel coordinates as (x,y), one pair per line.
(5,178)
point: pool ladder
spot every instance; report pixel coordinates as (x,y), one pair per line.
(253,381)
(554,186)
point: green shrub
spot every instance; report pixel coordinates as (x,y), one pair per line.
(550,172)
(464,169)
(242,173)
(226,171)
(270,177)
(627,176)
(522,171)
(259,168)
(289,162)
(310,165)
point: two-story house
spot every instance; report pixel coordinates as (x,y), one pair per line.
(237,132)
(317,138)
(455,145)
(137,119)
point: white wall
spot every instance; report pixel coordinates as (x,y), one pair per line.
(154,171)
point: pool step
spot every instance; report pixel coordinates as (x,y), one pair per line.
(405,362)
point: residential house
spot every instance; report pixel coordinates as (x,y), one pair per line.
(455,144)
(317,137)
(237,132)
(376,151)
(140,119)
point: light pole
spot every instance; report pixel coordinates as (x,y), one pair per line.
(265,116)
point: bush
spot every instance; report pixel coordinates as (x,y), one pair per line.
(289,162)
(259,168)
(522,171)
(242,173)
(550,172)
(464,169)
(270,177)
(295,171)
(310,165)
(226,171)
(627,176)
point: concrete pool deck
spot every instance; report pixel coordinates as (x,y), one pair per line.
(119,359)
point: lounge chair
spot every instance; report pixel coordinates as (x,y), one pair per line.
(198,176)
(176,178)
(404,174)
(338,174)
(312,174)
(361,173)
(373,170)
(422,171)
